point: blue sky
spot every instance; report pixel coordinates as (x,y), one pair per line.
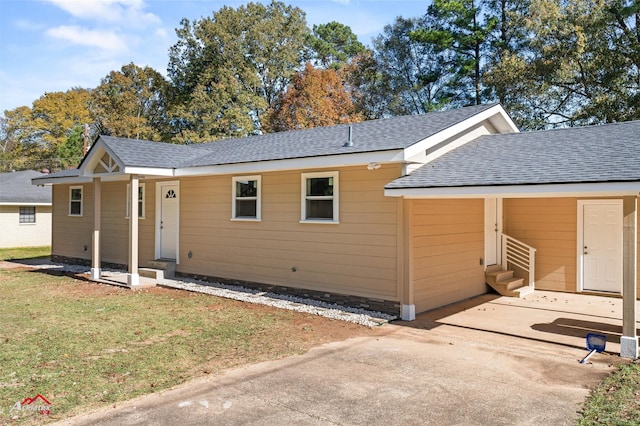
(54,45)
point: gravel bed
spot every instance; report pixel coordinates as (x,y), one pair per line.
(282,301)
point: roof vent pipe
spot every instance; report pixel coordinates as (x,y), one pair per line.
(349,141)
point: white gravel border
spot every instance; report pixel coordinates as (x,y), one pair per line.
(282,301)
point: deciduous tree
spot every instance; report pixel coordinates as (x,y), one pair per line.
(316,97)
(131,103)
(227,69)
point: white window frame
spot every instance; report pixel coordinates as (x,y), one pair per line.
(81,200)
(20,215)
(335,198)
(258,198)
(141,209)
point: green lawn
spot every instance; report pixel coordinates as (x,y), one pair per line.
(82,345)
(24,252)
(616,401)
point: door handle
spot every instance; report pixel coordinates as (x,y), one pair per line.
(585,250)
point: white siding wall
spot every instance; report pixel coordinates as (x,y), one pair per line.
(16,234)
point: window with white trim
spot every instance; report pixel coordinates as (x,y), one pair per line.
(27,214)
(246,198)
(141,203)
(320,197)
(75,201)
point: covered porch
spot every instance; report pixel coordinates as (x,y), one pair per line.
(556,255)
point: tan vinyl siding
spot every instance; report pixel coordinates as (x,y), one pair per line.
(550,226)
(71,234)
(447,238)
(356,256)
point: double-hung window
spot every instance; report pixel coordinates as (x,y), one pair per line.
(75,201)
(141,203)
(246,198)
(320,197)
(27,214)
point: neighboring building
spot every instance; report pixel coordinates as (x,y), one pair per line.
(25,211)
(400,215)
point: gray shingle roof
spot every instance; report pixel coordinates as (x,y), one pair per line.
(367,136)
(16,187)
(140,153)
(607,153)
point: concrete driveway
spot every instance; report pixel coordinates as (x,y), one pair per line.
(436,370)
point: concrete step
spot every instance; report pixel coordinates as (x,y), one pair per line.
(156,274)
(168,266)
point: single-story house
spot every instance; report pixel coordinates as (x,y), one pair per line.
(400,215)
(25,210)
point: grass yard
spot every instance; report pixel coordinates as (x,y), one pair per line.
(83,345)
(24,252)
(616,401)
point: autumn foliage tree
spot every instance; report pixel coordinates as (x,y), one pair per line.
(316,97)
(35,134)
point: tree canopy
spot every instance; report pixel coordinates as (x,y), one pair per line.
(228,69)
(259,68)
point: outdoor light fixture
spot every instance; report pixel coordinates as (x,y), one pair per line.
(373,166)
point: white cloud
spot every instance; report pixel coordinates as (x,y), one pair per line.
(103,39)
(129,12)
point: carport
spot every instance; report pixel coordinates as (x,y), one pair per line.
(586,168)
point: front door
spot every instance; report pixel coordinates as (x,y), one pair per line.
(492,230)
(168,220)
(602,246)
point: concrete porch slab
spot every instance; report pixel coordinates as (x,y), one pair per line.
(558,318)
(120,279)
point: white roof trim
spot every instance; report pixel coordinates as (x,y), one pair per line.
(155,171)
(521,191)
(341,160)
(24,204)
(65,179)
(496,111)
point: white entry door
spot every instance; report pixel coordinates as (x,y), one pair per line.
(602,246)
(168,220)
(492,230)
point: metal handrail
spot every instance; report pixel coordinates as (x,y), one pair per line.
(522,255)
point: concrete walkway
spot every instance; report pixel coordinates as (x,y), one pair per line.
(443,374)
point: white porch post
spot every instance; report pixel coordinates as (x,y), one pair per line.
(96,272)
(133,279)
(408,309)
(629,339)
